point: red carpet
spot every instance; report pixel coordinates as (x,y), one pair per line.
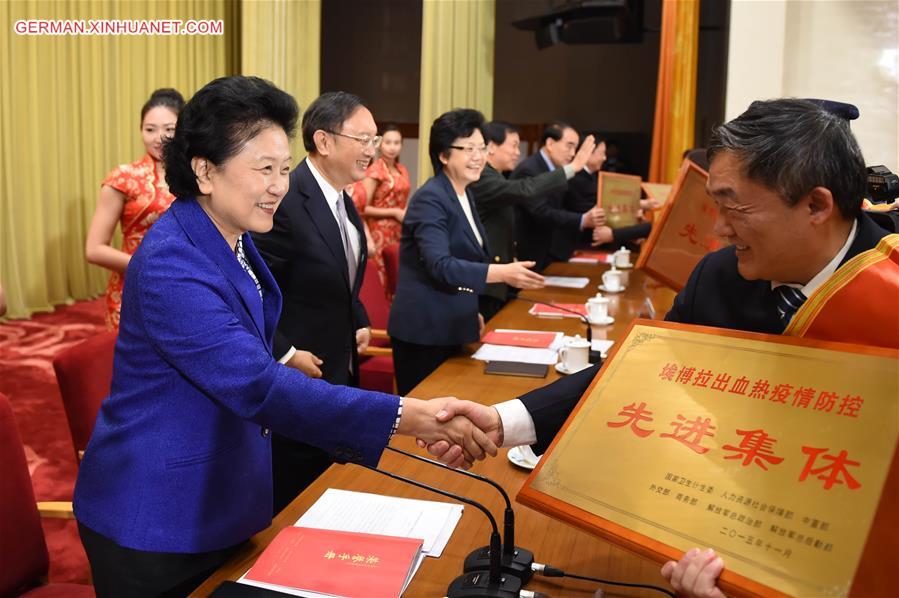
(27,348)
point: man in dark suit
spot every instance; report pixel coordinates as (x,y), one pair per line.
(536,222)
(317,252)
(788,178)
(496,197)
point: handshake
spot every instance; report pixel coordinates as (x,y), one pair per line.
(454,431)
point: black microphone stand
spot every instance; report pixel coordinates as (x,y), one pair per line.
(474,584)
(593,356)
(516,561)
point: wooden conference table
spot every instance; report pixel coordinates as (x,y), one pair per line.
(551,541)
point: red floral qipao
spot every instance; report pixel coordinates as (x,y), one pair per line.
(146,198)
(392,191)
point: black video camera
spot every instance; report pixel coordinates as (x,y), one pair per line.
(883,185)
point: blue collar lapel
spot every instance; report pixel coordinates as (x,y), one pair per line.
(204,235)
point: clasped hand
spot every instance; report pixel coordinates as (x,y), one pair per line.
(466,417)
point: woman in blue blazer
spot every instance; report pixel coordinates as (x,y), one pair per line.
(443,256)
(178,470)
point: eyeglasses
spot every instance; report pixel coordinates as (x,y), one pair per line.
(364,140)
(470,150)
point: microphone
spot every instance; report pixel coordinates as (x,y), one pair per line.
(475,584)
(515,560)
(593,356)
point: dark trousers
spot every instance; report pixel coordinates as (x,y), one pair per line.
(413,363)
(295,465)
(120,571)
(489,306)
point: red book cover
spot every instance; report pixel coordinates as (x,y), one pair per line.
(339,563)
(520,338)
(601,257)
(548,311)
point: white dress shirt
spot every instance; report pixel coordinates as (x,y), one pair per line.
(466,207)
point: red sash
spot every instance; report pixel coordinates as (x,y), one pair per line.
(858,303)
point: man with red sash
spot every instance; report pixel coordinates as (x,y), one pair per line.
(803,260)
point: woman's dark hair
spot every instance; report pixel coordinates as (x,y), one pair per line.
(448,127)
(166,97)
(792,146)
(388,128)
(217,122)
(328,112)
(496,131)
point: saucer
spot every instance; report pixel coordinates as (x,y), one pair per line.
(628,267)
(603,288)
(562,369)
(608,320)
(523,456)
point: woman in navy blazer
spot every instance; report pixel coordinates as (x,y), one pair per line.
(443,256)
(178,470)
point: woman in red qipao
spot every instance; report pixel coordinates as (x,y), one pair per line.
(134,195)
(381,197)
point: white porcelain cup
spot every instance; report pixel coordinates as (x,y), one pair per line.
(575,355)
(613,280)
(623,258)
(598,308)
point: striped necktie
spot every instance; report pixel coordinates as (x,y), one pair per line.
(789,299)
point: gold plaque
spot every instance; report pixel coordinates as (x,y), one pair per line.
(619,196)
(772,451)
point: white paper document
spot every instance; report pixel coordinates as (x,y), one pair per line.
(489,352)
(570,282)
(348,511)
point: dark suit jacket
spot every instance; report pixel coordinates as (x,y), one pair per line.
(535,222)
(579,198)
(305,254)
(715,295)
(496,197)
(180,458)
(443,268)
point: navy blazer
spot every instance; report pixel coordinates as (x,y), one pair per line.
(180,456)
(442,269)
(304,251)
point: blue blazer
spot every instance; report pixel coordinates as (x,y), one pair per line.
(443,268)
(180,456)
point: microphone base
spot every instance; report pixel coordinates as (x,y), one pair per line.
(517,564)
(477,585)
(594,356)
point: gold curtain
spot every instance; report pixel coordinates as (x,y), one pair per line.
(456,64)
(69,111)
(281,42)
(673,130)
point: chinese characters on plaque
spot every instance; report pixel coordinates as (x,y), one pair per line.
(774,452)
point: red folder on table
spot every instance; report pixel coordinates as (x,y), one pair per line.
(549,311)
(520,338)
(338,563)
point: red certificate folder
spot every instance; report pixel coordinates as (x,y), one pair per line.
(548,311)
(338,563)
(520,338)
